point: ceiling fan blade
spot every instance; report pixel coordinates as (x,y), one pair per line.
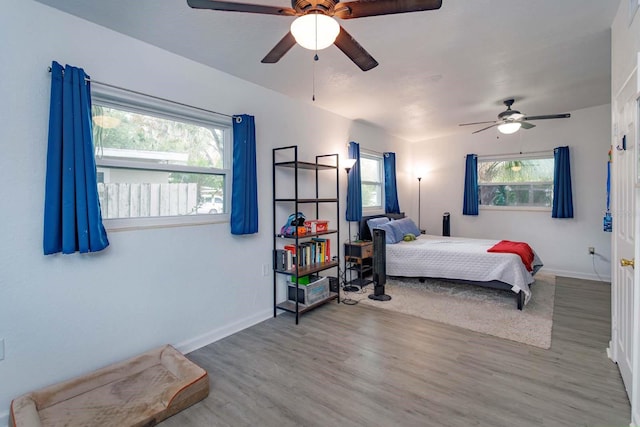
(526,125)
(240,7)
(350,47)
(477,123)
(278,51)
(362,8)
(550,116)
(488,127)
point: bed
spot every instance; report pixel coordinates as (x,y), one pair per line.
(458,259)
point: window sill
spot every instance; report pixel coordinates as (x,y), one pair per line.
(515,208)
(127,224)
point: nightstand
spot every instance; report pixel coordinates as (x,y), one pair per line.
(357,257)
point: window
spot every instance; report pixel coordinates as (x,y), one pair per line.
(158,159)
(516,182)
(372,175)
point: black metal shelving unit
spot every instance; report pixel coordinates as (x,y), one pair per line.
(323,167)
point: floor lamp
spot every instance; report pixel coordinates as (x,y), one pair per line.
(348,164)
(419,194)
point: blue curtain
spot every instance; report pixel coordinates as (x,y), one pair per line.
(244,194)
(390,189)
(562,196)
(354,185)
(72,218)
(470,205)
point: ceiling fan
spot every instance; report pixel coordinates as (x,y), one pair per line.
(509,121)
(321,12)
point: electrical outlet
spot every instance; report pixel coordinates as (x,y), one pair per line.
(265,269)
(2,349)
(592,250)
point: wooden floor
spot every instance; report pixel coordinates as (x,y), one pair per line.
(359,366)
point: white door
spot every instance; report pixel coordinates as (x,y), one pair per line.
(625,225)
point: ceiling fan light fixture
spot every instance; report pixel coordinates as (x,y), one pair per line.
(509,127)
(315,31)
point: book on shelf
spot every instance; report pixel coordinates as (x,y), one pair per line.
(321,245)
(280,260)
(325,252)
(315,251)
(291,256)
(306,253)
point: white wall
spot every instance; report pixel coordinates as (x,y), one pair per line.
(625,46)
(561,243)
(65,315)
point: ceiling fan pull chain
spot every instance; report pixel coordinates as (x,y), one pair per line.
(313,77)
(315,59)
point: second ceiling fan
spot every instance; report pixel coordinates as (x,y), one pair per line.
(320,12)
(509,121)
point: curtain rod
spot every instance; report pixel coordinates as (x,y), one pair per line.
(152,96)
(526,153)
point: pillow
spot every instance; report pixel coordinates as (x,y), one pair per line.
(391,233)
(374,222)
(406,226)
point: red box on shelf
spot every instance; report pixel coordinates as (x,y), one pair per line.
(316,225)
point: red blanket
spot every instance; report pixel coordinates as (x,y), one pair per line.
(519,248)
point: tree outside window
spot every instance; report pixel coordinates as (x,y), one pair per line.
(153,164)
(518,181)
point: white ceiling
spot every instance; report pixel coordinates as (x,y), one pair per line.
(437,68)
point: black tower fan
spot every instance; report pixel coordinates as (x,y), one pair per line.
(379,266)
(446,224)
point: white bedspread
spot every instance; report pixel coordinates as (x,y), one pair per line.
(458,258)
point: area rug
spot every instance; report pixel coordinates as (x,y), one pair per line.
(489,311)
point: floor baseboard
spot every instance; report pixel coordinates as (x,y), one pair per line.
(4,418)
(217,334)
